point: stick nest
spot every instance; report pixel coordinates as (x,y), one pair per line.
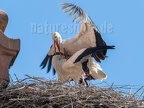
(33,92)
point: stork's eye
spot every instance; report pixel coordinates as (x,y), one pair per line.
(55,37)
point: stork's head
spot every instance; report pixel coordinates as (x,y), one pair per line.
(57,40)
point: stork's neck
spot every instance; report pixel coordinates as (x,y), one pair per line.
(60,40)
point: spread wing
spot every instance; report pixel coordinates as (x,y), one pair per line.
(88,36)
(80,14)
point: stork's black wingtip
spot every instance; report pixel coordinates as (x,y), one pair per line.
(42,66)
(111,47)
(47,71)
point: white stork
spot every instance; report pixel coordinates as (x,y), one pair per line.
(88,38)
(79,67)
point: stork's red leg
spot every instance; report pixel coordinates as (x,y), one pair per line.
(83,79)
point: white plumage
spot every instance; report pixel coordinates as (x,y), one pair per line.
(67,74)
(96,71)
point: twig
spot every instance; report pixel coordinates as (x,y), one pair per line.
(138,90)
(141,94)
(20,99)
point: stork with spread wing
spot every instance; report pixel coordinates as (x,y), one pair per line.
(88,38)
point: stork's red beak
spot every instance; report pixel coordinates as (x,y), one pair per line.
(56,45)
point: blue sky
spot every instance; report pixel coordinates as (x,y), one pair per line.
(121,23)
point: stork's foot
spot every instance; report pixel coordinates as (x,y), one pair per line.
(83,82)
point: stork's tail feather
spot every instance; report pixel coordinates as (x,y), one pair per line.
(100,75)
(97,72)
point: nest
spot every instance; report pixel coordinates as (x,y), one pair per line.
(33,92)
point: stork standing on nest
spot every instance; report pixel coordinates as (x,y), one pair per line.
(87,37)
(72,68)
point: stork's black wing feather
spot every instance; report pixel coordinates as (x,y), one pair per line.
(49,64)
(47,60)
(92,50)
(85,67)
(44,62)
(100,42)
